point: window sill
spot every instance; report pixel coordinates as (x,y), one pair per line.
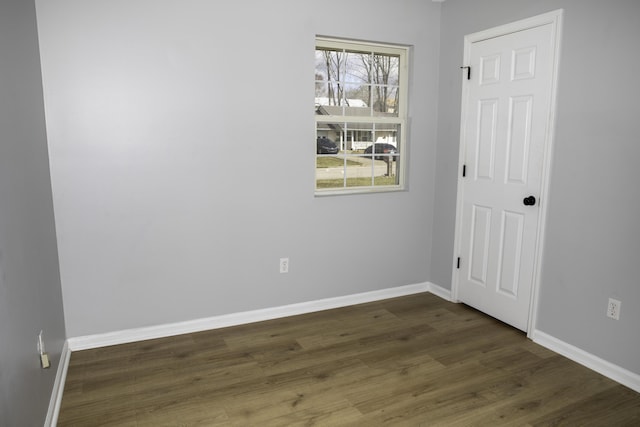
(359,190)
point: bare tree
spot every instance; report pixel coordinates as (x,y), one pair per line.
(379,71)
(319,84)
(375,74)
(335,62)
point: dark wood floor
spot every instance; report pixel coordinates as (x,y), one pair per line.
(414,361)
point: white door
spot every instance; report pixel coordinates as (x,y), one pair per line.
(507,108)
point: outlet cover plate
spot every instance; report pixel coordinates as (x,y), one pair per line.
(613,309)
(284,265)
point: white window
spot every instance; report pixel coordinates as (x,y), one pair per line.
(360,111)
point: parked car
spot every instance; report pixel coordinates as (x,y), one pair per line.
(326,146)
(390,151)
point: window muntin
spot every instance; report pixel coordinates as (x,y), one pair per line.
(359,163)
(360,105)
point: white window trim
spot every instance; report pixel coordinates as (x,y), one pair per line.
(401,120)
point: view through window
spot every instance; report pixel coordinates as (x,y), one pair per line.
(360,111)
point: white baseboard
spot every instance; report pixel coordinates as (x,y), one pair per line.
(234,319)
(608,369)
(440,291)
(58,387)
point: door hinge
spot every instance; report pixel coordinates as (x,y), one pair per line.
(464,170)
(458,266)
(468,68)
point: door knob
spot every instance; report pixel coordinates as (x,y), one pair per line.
(529,201)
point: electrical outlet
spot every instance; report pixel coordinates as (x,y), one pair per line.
(44,361)
(284,265)
(613,309)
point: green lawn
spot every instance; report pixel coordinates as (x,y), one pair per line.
(332,162)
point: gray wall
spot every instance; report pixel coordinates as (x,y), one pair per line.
(30,294)
(182,158)
(182,171)
(592,249)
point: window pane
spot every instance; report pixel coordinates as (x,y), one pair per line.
(331,70)
(346,157)
(359,80)
(384,155)
(385,69)
(385,101)
(321,67)
(353,137)
(357,70)
(357,97)
(385,78)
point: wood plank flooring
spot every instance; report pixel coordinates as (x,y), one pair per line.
(410,361)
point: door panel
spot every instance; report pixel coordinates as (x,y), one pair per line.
(519,139)
(479,256)
(486,136)
(510,253)
(506,125)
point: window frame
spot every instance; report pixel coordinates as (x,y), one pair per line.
(402,52)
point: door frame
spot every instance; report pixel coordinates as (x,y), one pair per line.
(553,18)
